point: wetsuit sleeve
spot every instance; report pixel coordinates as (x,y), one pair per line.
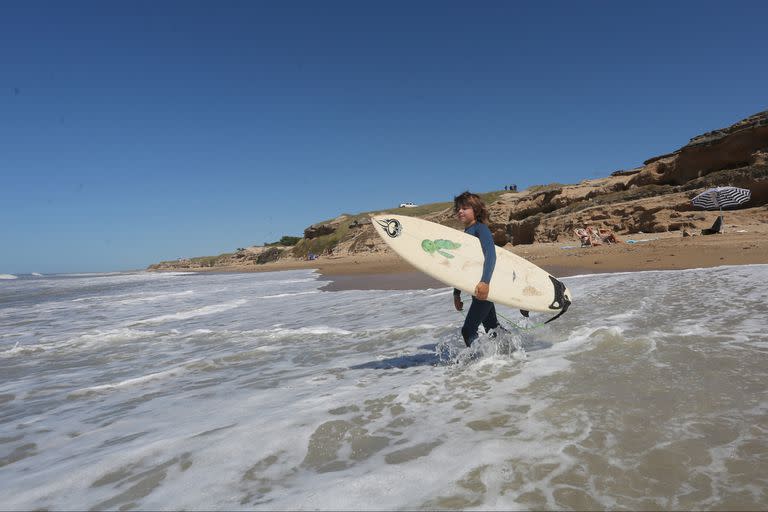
(489,251)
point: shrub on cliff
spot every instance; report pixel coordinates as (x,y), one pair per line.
(271,254)
(286,241)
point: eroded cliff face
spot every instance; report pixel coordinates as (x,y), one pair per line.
(652,198)
(742,144)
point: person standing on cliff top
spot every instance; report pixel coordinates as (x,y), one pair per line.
(472,212)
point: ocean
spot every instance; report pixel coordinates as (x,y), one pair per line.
(160,391)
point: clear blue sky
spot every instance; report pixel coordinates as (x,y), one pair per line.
(132,132)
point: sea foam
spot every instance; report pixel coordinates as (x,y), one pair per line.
(149,395)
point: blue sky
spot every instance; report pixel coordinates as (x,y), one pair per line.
(133,132)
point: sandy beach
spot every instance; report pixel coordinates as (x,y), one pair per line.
(739,244)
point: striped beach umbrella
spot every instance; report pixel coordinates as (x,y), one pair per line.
(721,197)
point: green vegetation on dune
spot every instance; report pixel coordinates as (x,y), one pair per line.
(320,244)
(286,241)
(209,261)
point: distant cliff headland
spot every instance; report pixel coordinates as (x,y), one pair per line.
(653,198)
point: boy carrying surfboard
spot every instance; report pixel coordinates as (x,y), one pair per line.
(472,212)
(468,261)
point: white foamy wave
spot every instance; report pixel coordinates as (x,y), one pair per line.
(322,329)
(416,328)
(312,277)
(21,350)
(171,274)
(440,293)
(37,274)
(306,331)
(287,295)
(8,276)
(173,372)
(97,274)
(90,340)
(132,298)
(200,331)
(205,310)
(269,348)
(154,298)
(117,335)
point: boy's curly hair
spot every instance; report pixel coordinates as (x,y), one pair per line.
(472,200)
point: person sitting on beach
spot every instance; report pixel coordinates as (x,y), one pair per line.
(472,212)
(607,236)
(594,235)
(585,238)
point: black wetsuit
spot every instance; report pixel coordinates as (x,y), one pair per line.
(481,311)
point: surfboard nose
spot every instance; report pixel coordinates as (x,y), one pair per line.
(388,225)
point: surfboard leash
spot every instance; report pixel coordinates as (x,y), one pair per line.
(561,301)
(515,325)
(518,326)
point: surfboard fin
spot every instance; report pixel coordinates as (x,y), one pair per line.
(525,313)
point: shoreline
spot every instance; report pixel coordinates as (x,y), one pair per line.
(652,251)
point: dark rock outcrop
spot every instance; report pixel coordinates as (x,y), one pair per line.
(500,235)
(269,255)
(317,230)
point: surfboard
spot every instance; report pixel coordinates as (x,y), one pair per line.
(456,259)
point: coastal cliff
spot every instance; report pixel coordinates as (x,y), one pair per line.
(653,198)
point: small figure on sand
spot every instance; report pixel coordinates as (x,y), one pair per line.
(591,236)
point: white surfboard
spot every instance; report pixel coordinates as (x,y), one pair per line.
(456,259)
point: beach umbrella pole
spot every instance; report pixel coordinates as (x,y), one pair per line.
(722,224)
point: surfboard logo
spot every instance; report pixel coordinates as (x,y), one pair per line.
(391,226)
(440,246)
